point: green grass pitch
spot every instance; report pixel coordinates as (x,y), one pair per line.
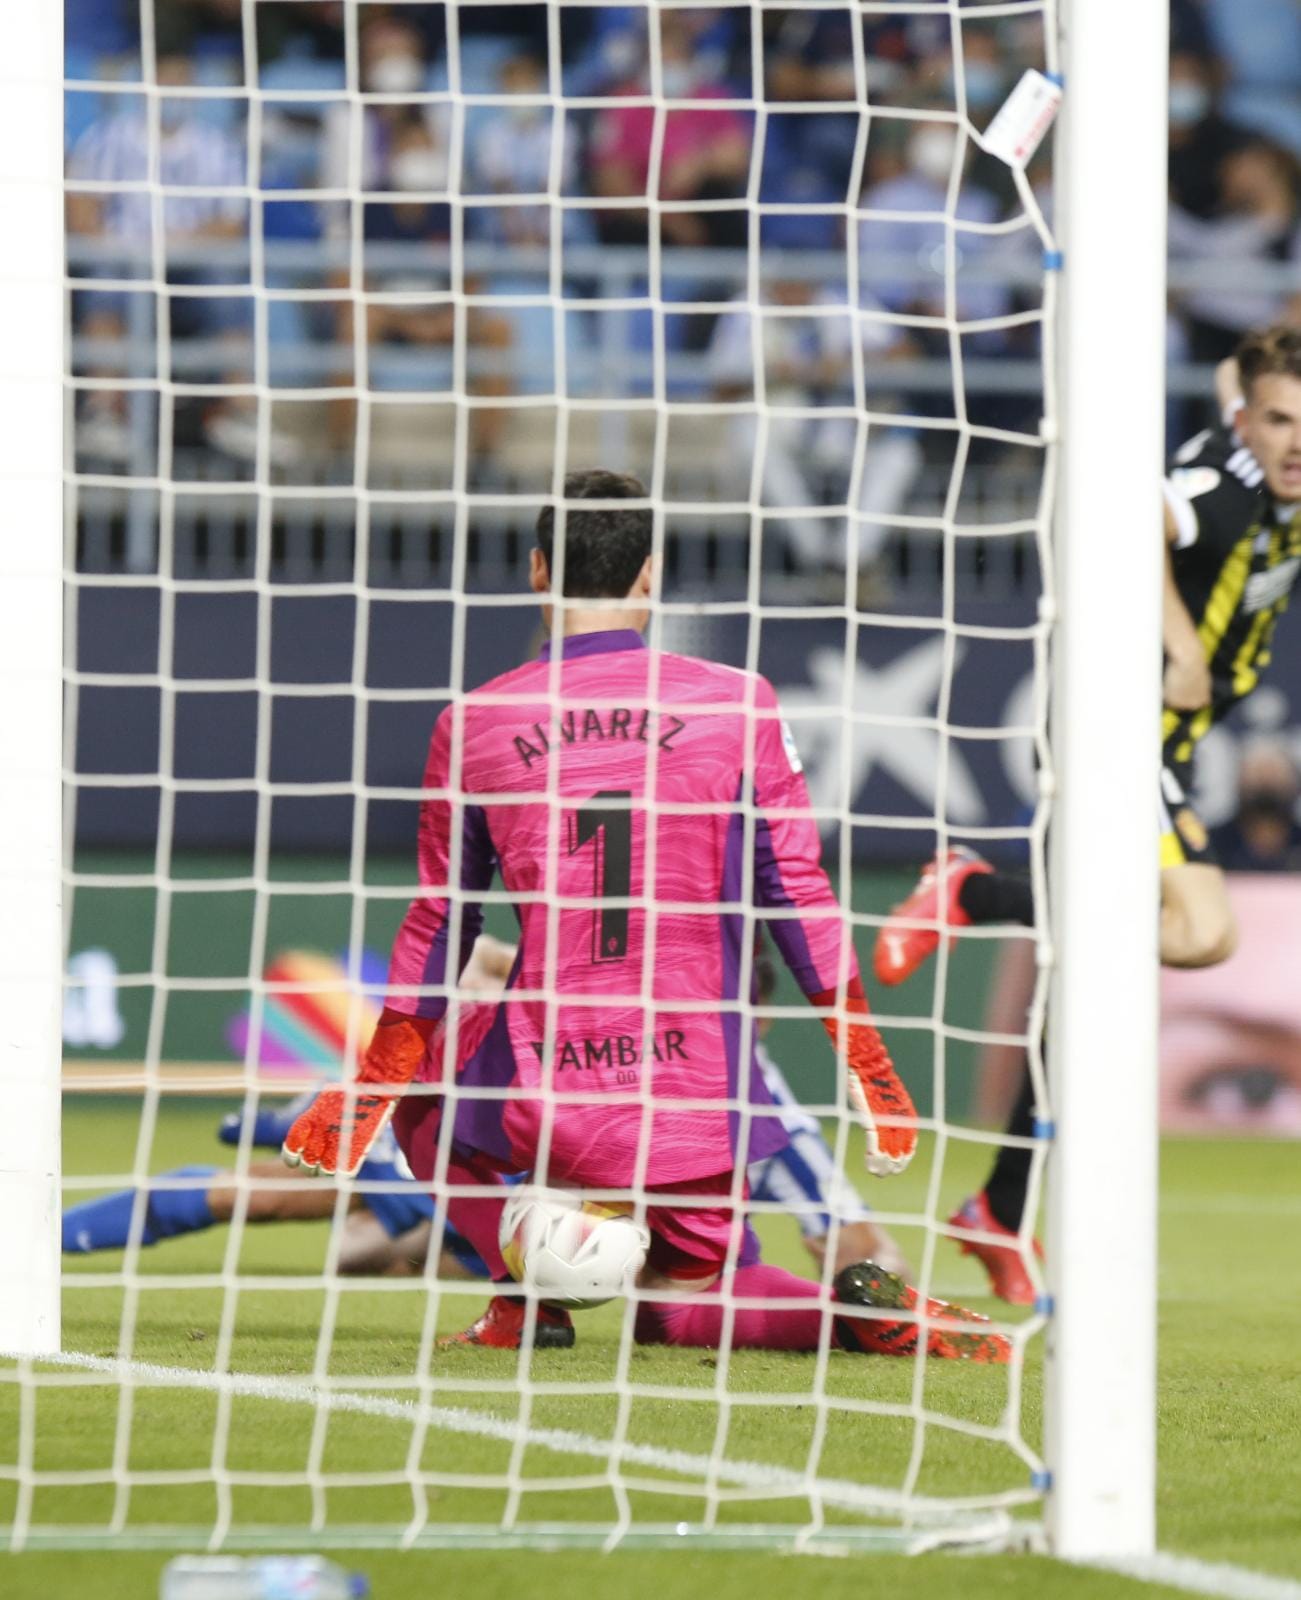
(1230,1406)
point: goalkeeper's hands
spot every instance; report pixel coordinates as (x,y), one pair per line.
(874,1088)
(315,1141)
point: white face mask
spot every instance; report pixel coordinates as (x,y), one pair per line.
(931,153)
(1189,103)
(678,79)
(396,75)
(984,83)
(418,171)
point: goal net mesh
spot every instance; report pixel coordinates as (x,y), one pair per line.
(351,289)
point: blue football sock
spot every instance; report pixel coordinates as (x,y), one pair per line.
(176,1211)
(105,1224)
(101,1224)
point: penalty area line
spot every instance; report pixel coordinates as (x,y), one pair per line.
(980,1524)
(1193,1576)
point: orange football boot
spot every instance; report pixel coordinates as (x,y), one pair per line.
(501,1327)
(901,949)
(951,1336)
(1004,1263)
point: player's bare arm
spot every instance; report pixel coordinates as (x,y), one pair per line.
(1187,682)
(1228,389)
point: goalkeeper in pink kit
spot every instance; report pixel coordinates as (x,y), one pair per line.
(641,809)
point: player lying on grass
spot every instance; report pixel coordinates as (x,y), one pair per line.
(1233,551)
(388,1231)
(640,807)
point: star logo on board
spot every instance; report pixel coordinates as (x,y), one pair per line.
(891,712)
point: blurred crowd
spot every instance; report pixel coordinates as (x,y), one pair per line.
(359,215)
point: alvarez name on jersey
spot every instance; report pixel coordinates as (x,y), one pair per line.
(1236,558)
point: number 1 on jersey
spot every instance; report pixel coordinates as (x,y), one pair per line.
(611,830)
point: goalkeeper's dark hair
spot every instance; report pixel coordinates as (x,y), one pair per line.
(606,549)
(1267,353)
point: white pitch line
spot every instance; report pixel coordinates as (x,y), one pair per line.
(1218,1580)
(986,1524)
(1215,1578)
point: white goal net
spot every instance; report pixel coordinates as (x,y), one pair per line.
(350,290)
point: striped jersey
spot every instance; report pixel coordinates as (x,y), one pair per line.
(1236,558)
(201,172)
(636,804)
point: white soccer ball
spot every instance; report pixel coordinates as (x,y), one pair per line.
(577,1252)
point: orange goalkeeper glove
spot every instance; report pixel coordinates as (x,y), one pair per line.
(389,1065)
(874,1088)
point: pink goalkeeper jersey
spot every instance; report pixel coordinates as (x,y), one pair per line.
(645,976)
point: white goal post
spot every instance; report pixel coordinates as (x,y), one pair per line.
(1100,1391)
(31,667)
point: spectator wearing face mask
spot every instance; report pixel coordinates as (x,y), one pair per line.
(1200,138)
(805,345)
(393,62)
(990,66)
(202,171)
(398,233)
(1259,220)
(1264,835)
(902,234)
(809,54)
(705,153)
(416,166)
(611,45)
(509,153)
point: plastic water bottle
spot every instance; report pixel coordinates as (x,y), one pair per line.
(260,1578)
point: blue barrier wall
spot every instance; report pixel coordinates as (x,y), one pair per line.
(903,767)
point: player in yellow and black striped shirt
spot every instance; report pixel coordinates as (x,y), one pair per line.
(1233,530)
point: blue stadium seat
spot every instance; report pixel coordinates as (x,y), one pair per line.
(99,28)
(1260,41)
(532,347)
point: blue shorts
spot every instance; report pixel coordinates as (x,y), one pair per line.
(398,1210)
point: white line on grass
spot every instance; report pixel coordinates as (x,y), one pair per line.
(1219,1580)
(1203,1577)
(985,1524)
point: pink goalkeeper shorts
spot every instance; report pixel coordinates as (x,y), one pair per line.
(690,1243)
